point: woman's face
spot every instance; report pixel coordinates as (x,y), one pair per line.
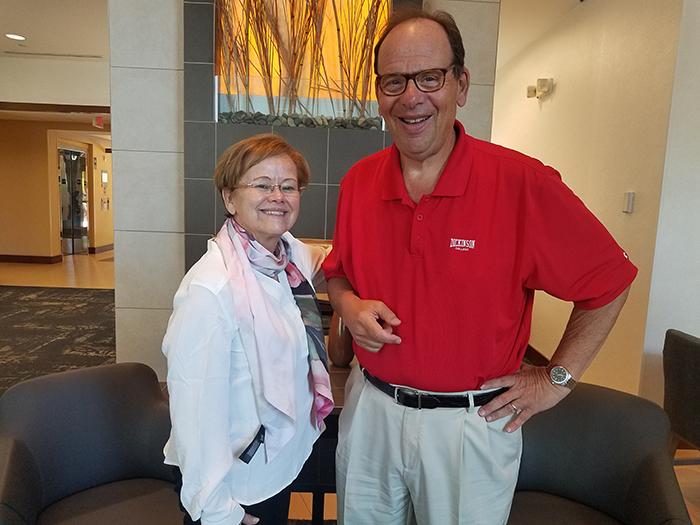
(266,216)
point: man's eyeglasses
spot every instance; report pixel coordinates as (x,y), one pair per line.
(288,189)
(426,81)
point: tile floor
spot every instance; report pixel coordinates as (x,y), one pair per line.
(76,271)
(689,480)
(301,503)
(97,271)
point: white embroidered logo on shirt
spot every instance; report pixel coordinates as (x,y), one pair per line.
(462,245)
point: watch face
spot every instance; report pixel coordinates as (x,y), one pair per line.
(559,375)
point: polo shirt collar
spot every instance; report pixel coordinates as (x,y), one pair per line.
(393,187)
(454,178)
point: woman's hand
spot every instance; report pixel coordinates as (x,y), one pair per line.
(249,520)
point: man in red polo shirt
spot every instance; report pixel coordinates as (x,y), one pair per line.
(440,243)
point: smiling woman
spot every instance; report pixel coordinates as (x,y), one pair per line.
(261,180)
(265,203)
(244,344)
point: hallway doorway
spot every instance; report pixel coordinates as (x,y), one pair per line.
(74,201)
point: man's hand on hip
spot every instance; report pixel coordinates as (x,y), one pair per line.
(530,391)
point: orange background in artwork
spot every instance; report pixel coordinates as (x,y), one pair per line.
(331,59)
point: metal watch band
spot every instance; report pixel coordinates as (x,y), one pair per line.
(570,383)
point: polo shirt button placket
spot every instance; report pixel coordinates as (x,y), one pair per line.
(416,234)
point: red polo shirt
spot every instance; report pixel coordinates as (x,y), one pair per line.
(460,267)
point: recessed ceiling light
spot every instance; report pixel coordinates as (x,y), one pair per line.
(14,37)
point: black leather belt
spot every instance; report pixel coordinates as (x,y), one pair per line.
(417,399)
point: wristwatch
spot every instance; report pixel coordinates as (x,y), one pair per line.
(559,375)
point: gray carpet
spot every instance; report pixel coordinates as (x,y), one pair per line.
(45,330)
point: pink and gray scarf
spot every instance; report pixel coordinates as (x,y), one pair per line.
(266,344)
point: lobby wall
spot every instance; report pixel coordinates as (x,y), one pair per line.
(54,81)
(674,300)
(102,210)
(29,191)
(604,128)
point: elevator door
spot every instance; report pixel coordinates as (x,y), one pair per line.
(74,202)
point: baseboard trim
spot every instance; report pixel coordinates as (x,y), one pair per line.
(100,249)
(31,259)
(53,108)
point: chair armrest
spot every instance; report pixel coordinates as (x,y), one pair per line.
(157,433)
(20,484)
(654,496)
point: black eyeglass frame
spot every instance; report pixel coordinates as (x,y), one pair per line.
(412,76)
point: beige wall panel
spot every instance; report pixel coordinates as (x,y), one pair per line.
(478,23)
(149,191)
(147,116)
(476,113)
(148,268)
(146,35)
(147,109)
(139,336)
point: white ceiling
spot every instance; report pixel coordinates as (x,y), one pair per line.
(55,27)
(54,30)
(80,27)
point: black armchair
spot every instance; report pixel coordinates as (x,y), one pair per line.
(85,447)
(682,388)
(600,457)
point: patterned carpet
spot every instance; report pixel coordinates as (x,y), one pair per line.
(45,330)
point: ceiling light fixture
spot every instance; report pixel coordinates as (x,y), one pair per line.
(14,37)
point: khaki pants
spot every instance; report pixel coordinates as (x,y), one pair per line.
(403,466)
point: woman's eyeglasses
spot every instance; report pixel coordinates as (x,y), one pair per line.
(288,189)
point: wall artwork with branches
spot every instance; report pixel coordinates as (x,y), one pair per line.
(298,62)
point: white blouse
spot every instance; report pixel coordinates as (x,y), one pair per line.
(213,405)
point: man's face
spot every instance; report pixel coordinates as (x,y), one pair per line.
(421,124)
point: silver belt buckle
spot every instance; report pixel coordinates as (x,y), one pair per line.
(409,391)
